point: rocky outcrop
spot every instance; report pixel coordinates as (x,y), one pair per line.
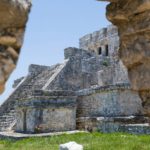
(133,22)
(14,15)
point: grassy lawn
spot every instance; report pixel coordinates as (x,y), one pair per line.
(90,141)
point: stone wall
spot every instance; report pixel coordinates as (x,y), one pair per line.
(85,69)
(113,73)
(14,15)
(99,40)
(47,112)
(106,101)
(72,76)
(111,108)
(129,124)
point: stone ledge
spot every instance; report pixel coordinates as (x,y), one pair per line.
(95,89)
(53,93)
(17,136)
(35,103)
(119,119)
(129,124)
(41,98)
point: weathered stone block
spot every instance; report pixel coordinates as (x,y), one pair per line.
(108,101)
(47,114)
(71,146)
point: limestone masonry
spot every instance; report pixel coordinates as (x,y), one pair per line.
(133,22)
(90,91)
(13,18)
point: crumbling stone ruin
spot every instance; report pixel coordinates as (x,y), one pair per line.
(13,18)
(131,18)
(133,21)
(90,91)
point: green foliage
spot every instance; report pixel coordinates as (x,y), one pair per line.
(105,63)
(90,141)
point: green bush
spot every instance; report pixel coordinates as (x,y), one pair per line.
(105,63)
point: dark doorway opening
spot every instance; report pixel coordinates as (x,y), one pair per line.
(107,50)
(24,120)
(99,51)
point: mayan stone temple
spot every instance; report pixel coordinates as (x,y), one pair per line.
(90,91)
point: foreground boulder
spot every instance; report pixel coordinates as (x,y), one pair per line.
(71,146)
(14,15)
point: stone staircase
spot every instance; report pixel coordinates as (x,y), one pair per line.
(43,77)
(7,110)
(54,75)
(7,115)
(7,120)
(23,90)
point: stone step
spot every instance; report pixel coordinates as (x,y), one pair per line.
(7,116)
(130,124)
(7,112)
(119,119)
(129,128)
(6,120)
(5,128)
(42,78)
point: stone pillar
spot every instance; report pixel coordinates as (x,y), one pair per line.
(133,21)
(14,15)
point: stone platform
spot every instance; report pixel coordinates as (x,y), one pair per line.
(128,124)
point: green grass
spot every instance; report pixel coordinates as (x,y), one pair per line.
(90,141)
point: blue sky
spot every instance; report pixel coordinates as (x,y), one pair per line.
(53,26)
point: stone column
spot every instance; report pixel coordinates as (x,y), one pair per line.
(13,18)
(132,17)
